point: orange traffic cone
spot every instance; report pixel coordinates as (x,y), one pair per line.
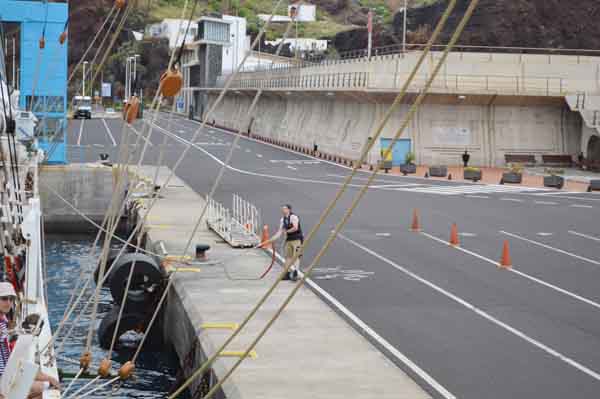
(415,221)
(265,237)
(454,235)
(505,262)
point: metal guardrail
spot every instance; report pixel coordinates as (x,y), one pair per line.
(497,84)
(341,80)
(489,50)
(240,226)
(362,55)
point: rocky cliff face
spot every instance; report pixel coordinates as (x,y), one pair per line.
(511,23)
(518,23)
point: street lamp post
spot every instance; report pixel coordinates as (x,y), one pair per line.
(127,76)
(135,57)
(404,28)
(83,80)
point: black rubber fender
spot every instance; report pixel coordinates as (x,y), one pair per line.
(146,278)
(112,255)
(129,322)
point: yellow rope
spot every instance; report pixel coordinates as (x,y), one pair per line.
(356,201)
(312,233)
(184,153)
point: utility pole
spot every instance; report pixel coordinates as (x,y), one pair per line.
(404,29)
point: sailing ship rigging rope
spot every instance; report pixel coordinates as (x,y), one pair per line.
(115,209)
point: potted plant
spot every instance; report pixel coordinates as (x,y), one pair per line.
(438,171)
(514,174)
(409,164)
(554,180)
(472,173)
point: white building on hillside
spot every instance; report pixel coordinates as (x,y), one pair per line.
(171,28)
(302,44)
(234,54)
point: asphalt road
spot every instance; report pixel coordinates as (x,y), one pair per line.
(475,329)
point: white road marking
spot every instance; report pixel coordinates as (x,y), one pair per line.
(383,235)
(581,206)
(247,150)
(478,196)
(520,273)
(246,172)
(395,186)
(479,311)
(586,196)
(291,167)
(376,180)
(259,155)
(561,193)
(109,132)
(205,143)
(511,199)
(584,235)
(294,161)
(542,234)
(467,234)
(583,258)
(80,131)
(546,203)
(468,189)
(366,329)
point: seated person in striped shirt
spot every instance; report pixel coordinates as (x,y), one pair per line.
(7,300)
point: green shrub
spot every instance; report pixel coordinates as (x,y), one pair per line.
(516,168)
(554,171)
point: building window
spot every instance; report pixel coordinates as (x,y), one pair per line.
(38,103)
(55,104)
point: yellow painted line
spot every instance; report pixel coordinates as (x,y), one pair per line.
(177,257)
(221,326)
(252,354)
(184,269)
(161,226)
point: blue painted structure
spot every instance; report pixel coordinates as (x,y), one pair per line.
(401,148)
(46,69)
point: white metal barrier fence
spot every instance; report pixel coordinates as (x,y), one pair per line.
(239,226)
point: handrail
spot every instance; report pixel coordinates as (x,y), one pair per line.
(469,83)
(399,50)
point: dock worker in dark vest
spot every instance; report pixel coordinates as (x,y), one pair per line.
(290,226)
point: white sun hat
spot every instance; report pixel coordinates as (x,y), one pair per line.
(6,289)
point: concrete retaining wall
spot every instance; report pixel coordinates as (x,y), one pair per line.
(440,132)
(88,187)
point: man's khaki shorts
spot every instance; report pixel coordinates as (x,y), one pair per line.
(292,248)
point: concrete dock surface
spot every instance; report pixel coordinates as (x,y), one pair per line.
(310,352)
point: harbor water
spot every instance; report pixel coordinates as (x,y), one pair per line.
(155,371)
